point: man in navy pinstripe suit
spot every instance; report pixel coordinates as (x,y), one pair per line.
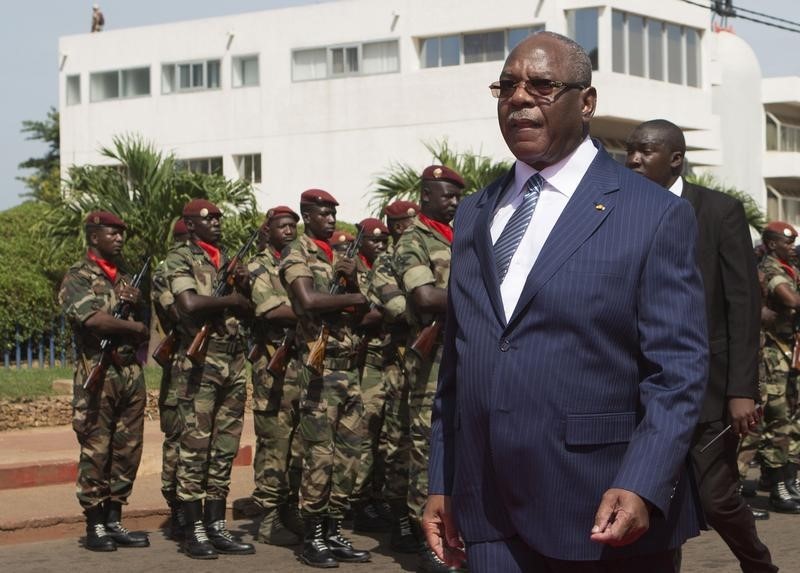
(575,352)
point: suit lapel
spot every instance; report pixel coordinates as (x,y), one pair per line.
(483,241)
(588,207)
(691,195)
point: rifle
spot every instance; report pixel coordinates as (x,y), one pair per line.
(277,364)
(122,311)
(316,352)
(426,340)
(199,346)
(796,349)
(166,349)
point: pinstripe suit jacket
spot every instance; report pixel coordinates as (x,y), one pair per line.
(595,382)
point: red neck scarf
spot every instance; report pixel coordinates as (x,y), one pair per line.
(326,248)
(211,250)
(365,261)
(788,268)
(109,268)
(443,229)
(276,253)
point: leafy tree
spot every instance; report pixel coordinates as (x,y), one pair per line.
(44,183)
(401,180)
(755,217)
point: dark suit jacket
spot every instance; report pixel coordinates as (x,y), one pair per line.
(733,298)
(595,381)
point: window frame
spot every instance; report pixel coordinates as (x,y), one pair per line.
(329,49)
(67,100)
(176,89)
(119,73)
(422,40)
(240,162)
(237,61)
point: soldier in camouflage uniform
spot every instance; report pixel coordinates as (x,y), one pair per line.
(276,396)
(331,410)
(108,420)
(385,293)
(211,395)
(170,421)
(422,263)
(781,452)
(368,512)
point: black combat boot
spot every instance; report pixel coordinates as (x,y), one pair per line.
(177,520)
(780,499)
(367,518)
(315,551)
(291,518)
(404,537)
(218,533)
(792,481)
(273,530)
(430,563)
(340,546)
(195,541)
(121,536)
(97,538)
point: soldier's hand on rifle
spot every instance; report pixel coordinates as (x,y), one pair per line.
(241,279)
(141,331)
(127,293)
(347,268)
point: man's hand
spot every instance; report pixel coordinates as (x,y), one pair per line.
(743,415)
(141,332)
(241,279)
(127,293)
(621,519)
(346,268)
(440,531)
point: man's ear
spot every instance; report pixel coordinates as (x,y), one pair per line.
(189,224)
(676,161)
(588,103)
(91,238)
(424,195)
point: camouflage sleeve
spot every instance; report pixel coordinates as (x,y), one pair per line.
(77,299)
(179,273)
(774,275)
(412,262)
(294,264)
(384,291)
(160,293)
(266,294)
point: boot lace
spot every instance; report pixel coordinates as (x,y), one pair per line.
(405,526)
(118,527)
(221,529)
(200,532)
(100,530)
(783,493)
(337,536)
(318,542)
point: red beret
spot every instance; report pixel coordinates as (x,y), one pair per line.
(340,237)
(281,211)
(200,208)
(104,219)
(781,228)
(401,210)
(442,173)
(373,227)
(179,228)
(317,197)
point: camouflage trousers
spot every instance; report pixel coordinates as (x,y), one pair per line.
(170,421)
(211,401)
(276,414)
(752,443)
(109,425)
(422,381)
(331,423)
(369,479)
(781,421)
(394,439)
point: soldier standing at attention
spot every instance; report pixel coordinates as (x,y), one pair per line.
(276,396)
(108,420)
(167,314)
(781,451)
(368,513)
(211,395)
(331,409)
(422,263)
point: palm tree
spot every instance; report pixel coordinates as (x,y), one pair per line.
(755,217)
(401,180)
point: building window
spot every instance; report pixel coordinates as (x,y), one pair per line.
(441,51)
(188,76)
(119,84)
(249,167)
(515,35)
(206,165)
(484,47)
(655,49)
(338,61)
(245,71)
(73,90)
(470,48)
(692,57)
(582,26)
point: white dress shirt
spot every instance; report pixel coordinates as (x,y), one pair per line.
(562,179)
(677,187)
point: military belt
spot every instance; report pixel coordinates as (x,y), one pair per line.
(375,361)
(339,363)
(226,346)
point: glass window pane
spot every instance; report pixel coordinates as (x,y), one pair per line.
(309,64)
(618,41)
(185,74)
(582,27)
(136,82)
(430,53)
(380,57)
(655,51)
(168,78)
(198,165)
(450,50)
(216,165)
(197,76)
(674,56)
(484,47)
(212,71)
(73,90)
(635,45)
(103,85)
(257,168)
(693,57)
(495,46)
(337,61)
(352,60)
(250,71)
(516,35)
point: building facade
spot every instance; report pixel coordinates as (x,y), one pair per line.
(288,101)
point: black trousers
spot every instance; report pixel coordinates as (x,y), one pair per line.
(717,477)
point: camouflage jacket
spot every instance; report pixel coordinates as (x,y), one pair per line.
(421,257)
(377,340)
(84,291)
(188,267)
(162,298)
(775,274)
(267,293)
(303,258)
(384,292)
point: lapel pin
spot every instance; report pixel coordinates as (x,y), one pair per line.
(599,206)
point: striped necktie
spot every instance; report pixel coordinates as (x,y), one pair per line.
(508,241)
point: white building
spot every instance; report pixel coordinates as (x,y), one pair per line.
(329,95)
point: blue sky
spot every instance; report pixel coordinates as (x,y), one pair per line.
(29,32)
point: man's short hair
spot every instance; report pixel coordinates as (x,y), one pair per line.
(670,134)
(578,62)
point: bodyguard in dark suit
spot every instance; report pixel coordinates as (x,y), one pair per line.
(575,353)
(656,149)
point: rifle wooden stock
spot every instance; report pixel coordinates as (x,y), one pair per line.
(166,349)
(316,354)
(280,360)
(426,340)
(796,353)
(199,346)
(98,373)
(255,353)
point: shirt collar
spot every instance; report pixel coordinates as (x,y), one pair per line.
(562,177)
(677,187)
